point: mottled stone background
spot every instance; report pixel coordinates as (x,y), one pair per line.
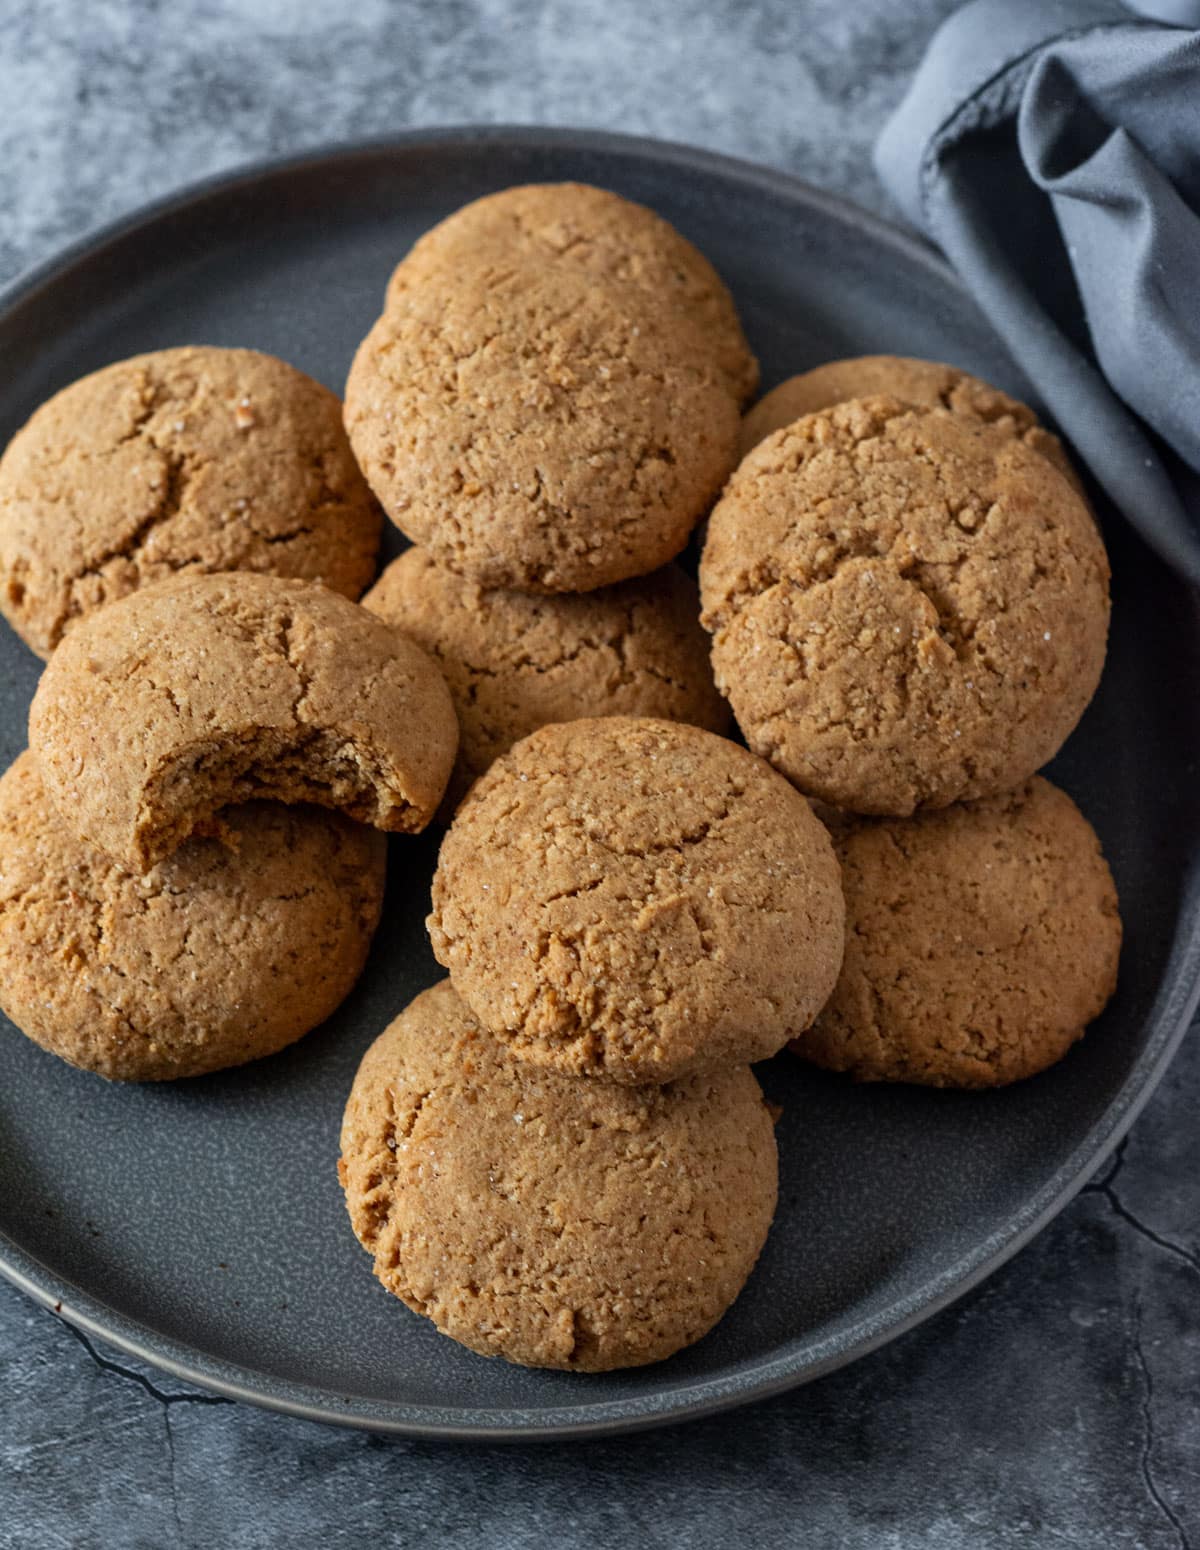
(1056,1405)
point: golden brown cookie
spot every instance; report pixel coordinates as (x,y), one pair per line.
(606,238)
(203,691)
(637,899)
(229,950)
(980,942)
(927,384)
(535,428)
(556,1223)
(183,460)
(514,662)
(908,608)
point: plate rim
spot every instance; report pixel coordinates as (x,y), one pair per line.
(1168,1021)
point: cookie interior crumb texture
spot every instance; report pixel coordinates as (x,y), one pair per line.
(553,1222)
(908,608)
(637,899)
(227,951)
(515,662)
(208,690)
(980,942)
(533,429)
(189,459)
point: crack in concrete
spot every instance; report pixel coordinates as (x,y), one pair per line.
(1116,1163)
(1147,1455)
(165,1401)
(136,1377)
(1105,1187)
(172,1483)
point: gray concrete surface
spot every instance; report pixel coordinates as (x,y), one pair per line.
(1057,1404)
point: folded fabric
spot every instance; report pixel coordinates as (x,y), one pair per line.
(1051,148)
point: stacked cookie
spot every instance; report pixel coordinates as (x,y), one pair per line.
(560,1155)
(154,925)
(182,534)
(547,407)
(908,599)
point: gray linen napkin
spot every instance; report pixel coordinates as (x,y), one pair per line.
(1051,149)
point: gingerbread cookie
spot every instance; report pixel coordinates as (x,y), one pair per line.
(908,607)
(553,1222)
(927,384)
(208,690)
(637,899)
(183,460)
(980,942)
(534,428)
(514,662)
(604,237)
(229,950)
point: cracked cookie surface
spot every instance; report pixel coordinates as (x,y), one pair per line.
(553,1222)
(980,942)
(203,691)
(637,899)
(182,460)
(926,384)
(515,662)
(908,608)
(534,428)
(599,234)
(228,951)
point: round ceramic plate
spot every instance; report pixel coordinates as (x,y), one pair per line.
(200,1226)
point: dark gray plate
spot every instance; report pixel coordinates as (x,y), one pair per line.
(201,1226)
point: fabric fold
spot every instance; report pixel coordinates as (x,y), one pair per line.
(1051,149)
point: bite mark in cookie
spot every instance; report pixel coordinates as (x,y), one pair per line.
(205,691)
